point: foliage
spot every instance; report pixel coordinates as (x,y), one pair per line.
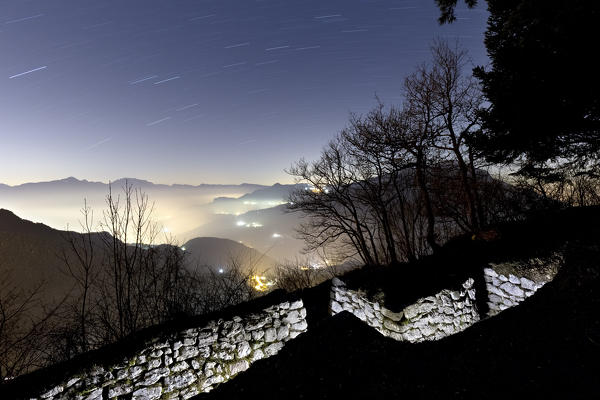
(542,86)
(447,8)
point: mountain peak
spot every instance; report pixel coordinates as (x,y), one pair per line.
(6,214)
(10,222)
(132,181)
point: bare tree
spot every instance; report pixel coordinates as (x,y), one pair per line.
(80,265)
(458,102)
(23,328)
(395,179)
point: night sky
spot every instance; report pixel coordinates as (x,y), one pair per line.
(192,91)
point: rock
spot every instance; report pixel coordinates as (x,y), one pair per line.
(258,335)
(509,303)
(296,304)
(154,363)
(412,311)
(293,335)
(147,393)
(189,392)
(292,317)
(257,355)
(151,377)
(197,364)
(395,335)
(119,389)
(392,326)
(213,379)
(300,326)
(209,368)
(413,335)
(135,371)
(495,290)
(187,352)
(512,289)
(235,329)
(528,284)
(156,353)
(471,293)
(53,392)
(180,366)
(270,335)
(96,394)
(302,313)
(468,283)
(243,349)
(392,315)
(206,338)
(490,272)
(335,307)
(238,366)
(283,332)
(337,282)
(360,314)
(273,349)
(257,323)
(179,381)
(190,333)
(341,297)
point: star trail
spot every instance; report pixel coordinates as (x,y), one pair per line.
(178,85)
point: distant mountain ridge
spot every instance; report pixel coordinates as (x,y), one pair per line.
(178,208)
(71,181)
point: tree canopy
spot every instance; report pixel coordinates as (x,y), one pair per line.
(447,8)
(542,84)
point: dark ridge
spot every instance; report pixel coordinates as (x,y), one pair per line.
(9,222)
(547,347)
(34,383)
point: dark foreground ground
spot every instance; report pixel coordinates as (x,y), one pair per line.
(548,347)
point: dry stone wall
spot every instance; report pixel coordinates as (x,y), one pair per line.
(430,318)
(189,362)
(508,284)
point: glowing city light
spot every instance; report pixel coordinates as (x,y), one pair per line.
(240,223)
(260,283)
(276,235)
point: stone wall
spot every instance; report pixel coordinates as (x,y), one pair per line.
(430,318)
(189,362)
(508,284)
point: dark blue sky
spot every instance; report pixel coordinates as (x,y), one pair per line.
(191,91)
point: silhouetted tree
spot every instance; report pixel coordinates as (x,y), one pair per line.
(542,86)
(447,8)
(394,179)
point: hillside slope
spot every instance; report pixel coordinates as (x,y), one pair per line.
(222,253)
